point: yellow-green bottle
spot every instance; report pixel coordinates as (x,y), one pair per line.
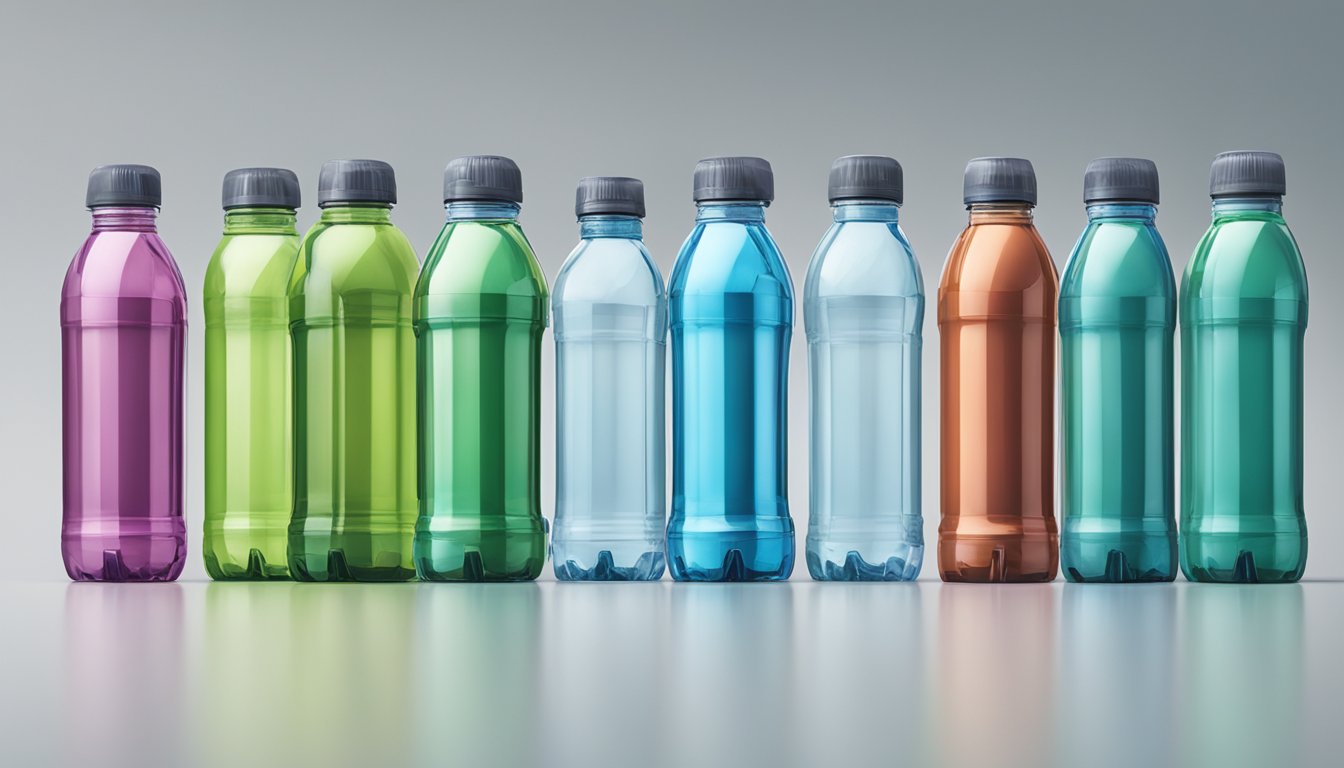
(248,430)
(354,384)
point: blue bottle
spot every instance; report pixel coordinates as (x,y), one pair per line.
(731,313)
(1117,318)
(864,310)
(610,346)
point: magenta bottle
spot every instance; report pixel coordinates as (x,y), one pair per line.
(123,337)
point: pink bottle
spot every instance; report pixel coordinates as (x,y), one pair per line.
(123,337)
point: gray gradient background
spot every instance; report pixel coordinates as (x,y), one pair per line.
(779,674)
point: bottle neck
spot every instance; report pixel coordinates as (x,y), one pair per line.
(611,225)
(125,219)
(743,212)
(1258,207)
(260,221)
(1145,212)
(884,211)
(477,210)
(1001,213)
(356,213)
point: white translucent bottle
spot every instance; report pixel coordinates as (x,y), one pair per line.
(610,339)
(863,310)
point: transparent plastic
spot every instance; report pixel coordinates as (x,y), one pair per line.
(997,306)
(1243,317)
(1117,318)
(123,340)
(354,406)
(480,312)
(610,346)
(731,316)
(864,313)
(249,468)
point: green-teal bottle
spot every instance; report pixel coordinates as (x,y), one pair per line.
(1243,317)
(249,470)
(354,383)
(1117,319)
(480,311)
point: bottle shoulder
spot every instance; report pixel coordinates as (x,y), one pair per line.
(251,266)
(124,264)
(1246,258)
(728,257)
(345,257)
(609,271)
(863,258)
(475,257)
(1000,258)
(1118,258)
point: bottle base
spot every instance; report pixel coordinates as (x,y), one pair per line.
(753,556)
(998,559)
(1125,558)
(574,561)
(372,557)
(1244,558)
(124,556)
(832,561)
(480,555)
(257,568)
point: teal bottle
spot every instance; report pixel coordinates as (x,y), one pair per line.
(1243,318)
(1117,319)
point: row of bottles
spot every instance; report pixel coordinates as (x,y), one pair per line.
(371,419)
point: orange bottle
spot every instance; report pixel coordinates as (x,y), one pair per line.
(996,318)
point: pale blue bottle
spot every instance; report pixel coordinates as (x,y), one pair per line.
(863,308)
(731,313)
(610,347)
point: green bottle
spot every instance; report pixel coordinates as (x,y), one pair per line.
(248,430)
(1243,317)
(354,374)
(480,311)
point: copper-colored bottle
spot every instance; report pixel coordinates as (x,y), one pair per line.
(996,319)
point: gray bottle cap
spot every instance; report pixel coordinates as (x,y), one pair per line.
(356,181)
(620,195)
(1244,173)
(129,185)
(866,177)
(261,188)
(484,178)
(999,180)
(746,179)
(1119,179)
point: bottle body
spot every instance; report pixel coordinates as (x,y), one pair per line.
(731,317)
(480,312)
(248,390)
(1243,317)
(864,314)
(1117,317)
(123,338)
(996,316)
(354,408)
(610,343)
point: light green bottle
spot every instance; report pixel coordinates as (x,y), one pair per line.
(480,311)
(354,384)
(1243,318)
(248,432)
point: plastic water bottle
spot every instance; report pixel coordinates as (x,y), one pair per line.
(354,383)
(610,347)
(1117,316)
(1243,317)
(249,490)
(123,339)
(731,314)
(996,315)
(480,311)
(864,311)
